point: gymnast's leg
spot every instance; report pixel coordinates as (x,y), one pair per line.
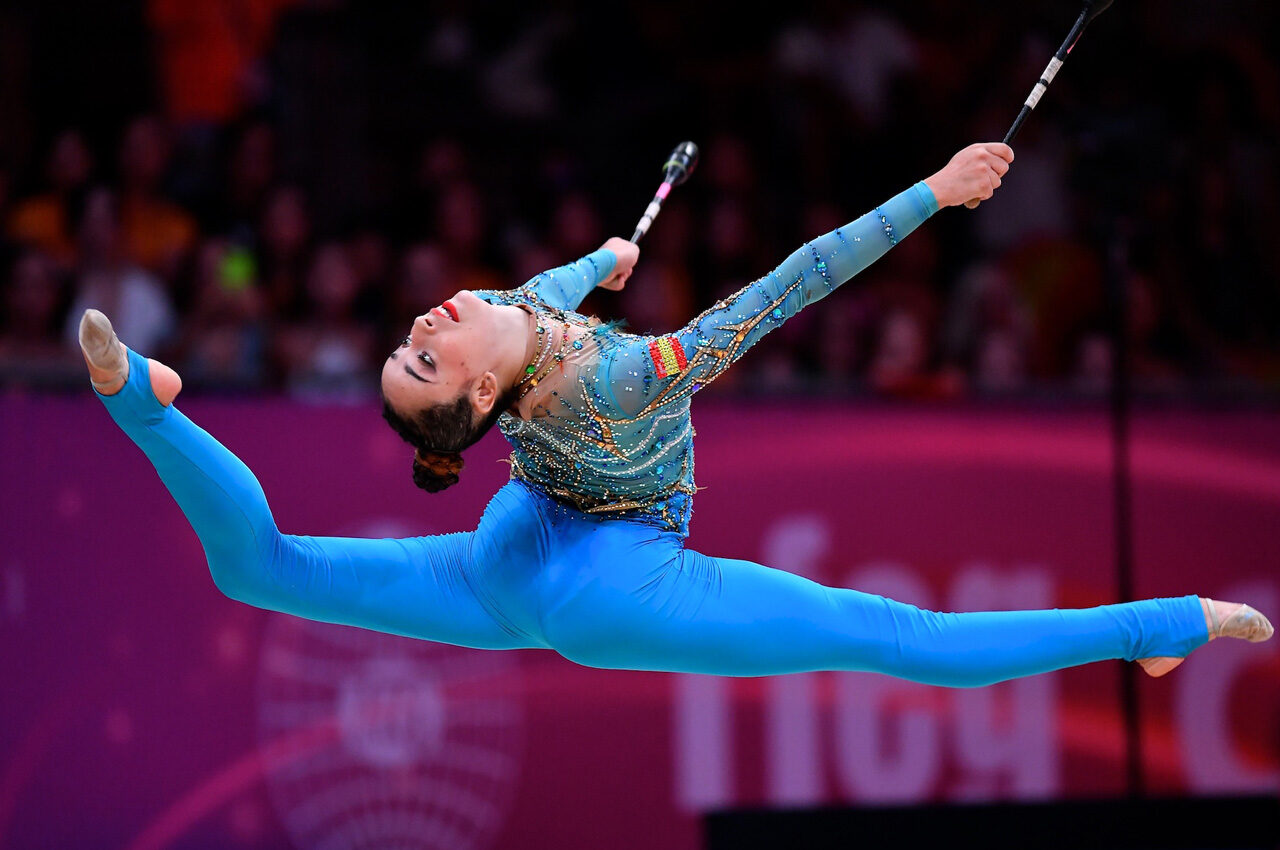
(693,613)
(420,587)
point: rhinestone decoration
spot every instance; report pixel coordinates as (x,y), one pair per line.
(887,226)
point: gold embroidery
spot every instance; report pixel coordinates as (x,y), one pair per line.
(574,452)
(681,387)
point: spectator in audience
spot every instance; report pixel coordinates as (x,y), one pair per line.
(1153,346)
(31,346)
(900,365)
(857,49)
(224,338)
(328,354)
(250,173)
(284,245)
(433,167)
(370,254)
(988,329)
(42,220)
(901,353)
(109,280)
(157,233)
(841,341)
(1091,374)
(461,228)
(1061,283)
(1000,363)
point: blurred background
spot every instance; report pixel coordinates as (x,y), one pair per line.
(268,188)
(265,192)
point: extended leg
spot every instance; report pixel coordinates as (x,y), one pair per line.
(728,617)
(420,587)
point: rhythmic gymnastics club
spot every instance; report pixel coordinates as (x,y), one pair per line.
(1092,9)
(675,170)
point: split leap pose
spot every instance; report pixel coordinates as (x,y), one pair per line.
(583,550)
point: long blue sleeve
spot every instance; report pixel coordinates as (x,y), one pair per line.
(655,371)
(564,287)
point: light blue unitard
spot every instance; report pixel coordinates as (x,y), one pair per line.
(583,551)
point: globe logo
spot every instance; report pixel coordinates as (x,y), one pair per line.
(374,741)
(390,714)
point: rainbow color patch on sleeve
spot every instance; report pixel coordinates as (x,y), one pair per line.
(668,356)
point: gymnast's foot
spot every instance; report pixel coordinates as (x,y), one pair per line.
(1223,619)
(109,363)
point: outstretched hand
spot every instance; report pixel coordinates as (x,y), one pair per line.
(627,253)
(972,175)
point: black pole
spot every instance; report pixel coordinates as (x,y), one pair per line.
(1121,397)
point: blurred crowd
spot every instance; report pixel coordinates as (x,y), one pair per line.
(266,193)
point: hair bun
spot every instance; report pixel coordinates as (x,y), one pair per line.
(433,470)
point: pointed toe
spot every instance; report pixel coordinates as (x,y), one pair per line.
(1246,623)
(103,349)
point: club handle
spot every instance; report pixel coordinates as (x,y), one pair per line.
(651,211)
(1090,11)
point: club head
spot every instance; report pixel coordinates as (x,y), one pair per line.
(681,163)
(1095,8)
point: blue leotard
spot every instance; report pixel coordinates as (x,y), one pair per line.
(583,550)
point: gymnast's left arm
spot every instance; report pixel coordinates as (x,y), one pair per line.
(655,371)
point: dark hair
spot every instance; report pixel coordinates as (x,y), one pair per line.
(439,433)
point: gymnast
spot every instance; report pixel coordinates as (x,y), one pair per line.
(582,551)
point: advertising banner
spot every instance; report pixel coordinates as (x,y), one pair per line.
(142,709)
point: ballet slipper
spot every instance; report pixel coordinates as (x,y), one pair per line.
(103,351)
(1243,622)
(108,361)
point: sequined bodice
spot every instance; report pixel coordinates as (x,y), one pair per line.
(580,444)
(610,431)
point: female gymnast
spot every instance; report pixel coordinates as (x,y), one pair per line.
(582,551)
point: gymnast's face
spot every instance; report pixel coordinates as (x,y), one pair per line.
(447,353)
